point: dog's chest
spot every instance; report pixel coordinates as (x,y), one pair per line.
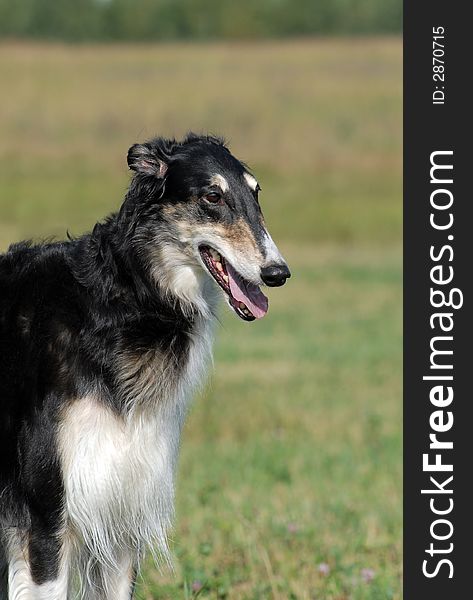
(118,470)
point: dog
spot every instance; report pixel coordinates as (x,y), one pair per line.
(103,340)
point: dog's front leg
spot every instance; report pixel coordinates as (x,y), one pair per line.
(120,583)
(18,577)
(37,566)
(107,582)
(49,560)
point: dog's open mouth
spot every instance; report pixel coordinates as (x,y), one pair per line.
(246,298)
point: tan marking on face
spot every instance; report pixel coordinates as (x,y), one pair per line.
(242,238)
(177,267)
(237,244)
(220,181)
(238,235)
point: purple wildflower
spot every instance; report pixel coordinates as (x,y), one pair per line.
(367,575)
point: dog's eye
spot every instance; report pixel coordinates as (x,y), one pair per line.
(213,198)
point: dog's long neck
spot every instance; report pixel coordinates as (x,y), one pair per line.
(117,276)
(161,329)
(110,273)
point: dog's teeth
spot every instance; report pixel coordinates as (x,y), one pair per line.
(241,305)
(219,266)
(225,277)
(215,255)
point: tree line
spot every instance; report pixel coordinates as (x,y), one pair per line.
(153,20)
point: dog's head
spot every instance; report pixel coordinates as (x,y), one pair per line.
(199,215)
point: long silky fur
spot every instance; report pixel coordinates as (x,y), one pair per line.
(103,340)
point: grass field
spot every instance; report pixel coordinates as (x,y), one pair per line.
(289,483)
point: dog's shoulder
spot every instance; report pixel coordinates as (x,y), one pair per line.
(36,274)
(25,260)
(40,298)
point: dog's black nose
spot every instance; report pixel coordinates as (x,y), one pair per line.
(275,275)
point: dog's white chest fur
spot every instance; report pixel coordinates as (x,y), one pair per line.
(118,471)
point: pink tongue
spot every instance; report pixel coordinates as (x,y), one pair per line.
(248,293)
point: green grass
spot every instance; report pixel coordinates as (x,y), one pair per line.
(291,458)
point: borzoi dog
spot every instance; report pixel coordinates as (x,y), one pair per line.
(103,339)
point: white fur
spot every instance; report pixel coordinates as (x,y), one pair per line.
(180,276)
(220,181)
(20,584)
(52,590)
(271,251)
(119,470)
(250,180)
(120,588)
(106,583)
(119,479)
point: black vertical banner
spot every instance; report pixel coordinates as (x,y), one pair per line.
(438,274)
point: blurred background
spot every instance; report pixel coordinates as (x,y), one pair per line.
(289,482)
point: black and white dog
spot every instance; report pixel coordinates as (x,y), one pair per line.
(102,341)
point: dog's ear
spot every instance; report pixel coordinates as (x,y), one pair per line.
(143,158)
